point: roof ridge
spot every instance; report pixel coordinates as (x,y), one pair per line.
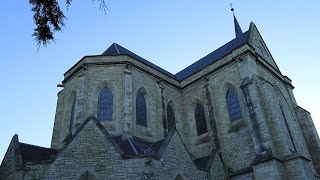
(36,146)
(80,128)
(116,46)
(212,57)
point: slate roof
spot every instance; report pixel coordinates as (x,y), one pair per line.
(205,163)
(202,162)
(224,50)
(213,57)
(31,153)
(116,49)
(137,147)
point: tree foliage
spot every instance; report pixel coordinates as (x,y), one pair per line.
(49,18)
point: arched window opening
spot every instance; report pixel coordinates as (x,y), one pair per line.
(233,104)
(105,103)
(72,117)
(200,118)
(179,177)
(141,110)
(170,117)
(87,176)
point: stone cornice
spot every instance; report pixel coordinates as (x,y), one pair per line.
(88,61)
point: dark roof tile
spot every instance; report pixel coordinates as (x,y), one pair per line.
(31,153)
(137,147)
(201,163)
(213,57)
(224,50)
(116,49)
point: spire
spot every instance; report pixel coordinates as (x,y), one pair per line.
(237,27)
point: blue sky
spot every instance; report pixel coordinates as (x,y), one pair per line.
(171,34)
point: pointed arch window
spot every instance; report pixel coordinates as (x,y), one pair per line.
(72,117)
(179,177)
(87,176)
(141,110)
(200,118)
(233,104)
(170,117)
(105,103)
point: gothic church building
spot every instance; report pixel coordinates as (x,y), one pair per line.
(230,115)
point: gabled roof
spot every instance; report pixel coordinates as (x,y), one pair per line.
(32,153)
(126,147)
(27,153)
(224,50)
(137,147)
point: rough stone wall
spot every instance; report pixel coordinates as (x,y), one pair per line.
(236,142)
(98,78)
(277,119)
(310,135)
(260,47)
(34,171)
(7,168)
(298,168)
(55,142)
(272,102)
(124,82)
(87,85)
(283,103)
(271,169)
(146,84)
(63,113)
(173,96)
(176,160)
(199,145)
(217,171)
(245,176)
(91,151)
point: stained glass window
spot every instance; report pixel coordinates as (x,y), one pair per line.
(234,109)
(105,103)
(170,117)
(71,126)
(141,110)
(200,117)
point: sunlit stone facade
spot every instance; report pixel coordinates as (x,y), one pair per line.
(230,115)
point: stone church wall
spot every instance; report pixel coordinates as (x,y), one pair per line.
(235,137)
(146,84)
(91,151)
(283,102)
(176,160)
(271,96)
(199,145)
(8,169)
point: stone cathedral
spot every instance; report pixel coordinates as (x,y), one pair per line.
(230,115)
